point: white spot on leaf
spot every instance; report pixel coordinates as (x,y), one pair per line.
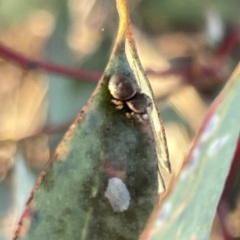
(118,195)
(192,164)
(164,214)
(210,128)
(217,145)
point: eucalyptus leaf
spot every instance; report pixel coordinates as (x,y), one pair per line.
(189,210)
(103,181)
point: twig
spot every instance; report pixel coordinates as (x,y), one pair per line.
(231,41)
(50,130)
(223,53)
(25,62)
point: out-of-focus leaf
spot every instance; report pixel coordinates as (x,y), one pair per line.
(23,108)
(103,182)
(24,182)
(7,151)
(189,210)
(7,207)
(35,150)
(22,92)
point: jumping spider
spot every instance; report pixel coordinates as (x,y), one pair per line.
(125,91)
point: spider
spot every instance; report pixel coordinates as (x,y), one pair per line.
(125,91)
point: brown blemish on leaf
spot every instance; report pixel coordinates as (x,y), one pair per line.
(115,171)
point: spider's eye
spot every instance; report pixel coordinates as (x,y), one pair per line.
(122,87)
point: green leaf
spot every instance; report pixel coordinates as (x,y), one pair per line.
(155,119)
(103,182)
(189,210)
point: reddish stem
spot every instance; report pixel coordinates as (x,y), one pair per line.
(25,62)
(51,130)
(231,41)
(223,52)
